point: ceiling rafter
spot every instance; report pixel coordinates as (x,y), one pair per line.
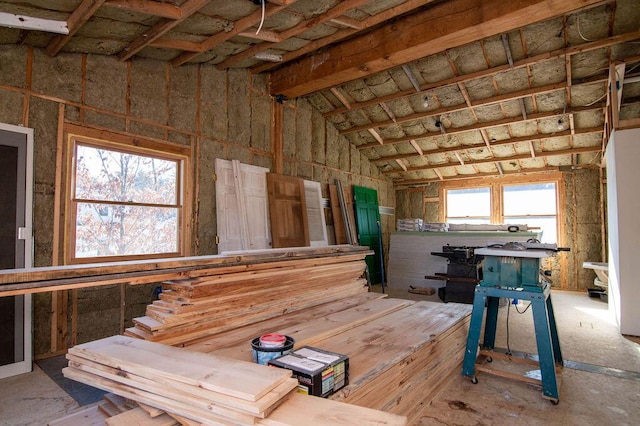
(187,9)
(76,20)
(413,182)
(559,53)
(370,22)
(474,104)
(485,125)
(239,26)
(444,25)
(516,157)
(336,11)
(510,141)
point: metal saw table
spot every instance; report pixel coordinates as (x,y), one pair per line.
(514,274)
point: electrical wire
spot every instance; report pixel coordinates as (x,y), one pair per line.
(525,309)
(263,15)
(580,32)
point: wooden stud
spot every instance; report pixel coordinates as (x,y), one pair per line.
(347,22)
(277,117)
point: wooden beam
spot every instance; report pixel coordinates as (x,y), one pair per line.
(340,97)
(347,22)
(239,26)
(526,62)
(336,11)
(481,126)
(78,17)
(169,43)
(475,104)
(277,136)
(263,35)
(376,136)
(187,9)
(540,154)
(415,146)
(511,141)
(370,22)
(443,26)
(147,7)
(413,182)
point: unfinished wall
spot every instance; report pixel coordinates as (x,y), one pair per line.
(581,229)
(217,114)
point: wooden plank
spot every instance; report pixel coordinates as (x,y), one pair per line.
(203,329)
(437,28)
(208,371)
(338,221)
(153,270)
(145,397)
(187,9)
(186,393)
(312,331)
(151,411)
(287,211)
(76,20)
(240,336)
(91,416)
(139,417)
(308,410)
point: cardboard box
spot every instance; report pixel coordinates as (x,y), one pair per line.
(319,372)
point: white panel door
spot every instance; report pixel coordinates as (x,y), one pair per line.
(241,206)
(227,208)
(254,186)
(315,214)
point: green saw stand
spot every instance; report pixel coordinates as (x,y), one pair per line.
(514,274)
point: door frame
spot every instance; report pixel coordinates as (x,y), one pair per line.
(26,234)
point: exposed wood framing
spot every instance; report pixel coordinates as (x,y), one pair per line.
(187,9)
(336,11)
(440,27)
(80,15)
(523,63)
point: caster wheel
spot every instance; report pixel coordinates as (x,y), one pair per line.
(554,402)
(489,359)
(475,381)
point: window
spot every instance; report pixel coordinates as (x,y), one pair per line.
(525,201)
(533,205)
(469,205)
(125,202)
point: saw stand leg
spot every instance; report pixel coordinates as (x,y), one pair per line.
(548,345)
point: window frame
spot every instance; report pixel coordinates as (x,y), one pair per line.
(497,200)
(181,155)
(446,201)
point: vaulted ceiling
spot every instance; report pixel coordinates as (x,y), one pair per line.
(428,90)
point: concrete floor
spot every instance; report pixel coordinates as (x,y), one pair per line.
(587,334)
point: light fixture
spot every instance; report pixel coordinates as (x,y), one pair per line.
(425,102)
(560,124)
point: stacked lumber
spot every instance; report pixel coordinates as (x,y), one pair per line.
(401,352)
(400,361)
(112,405)
(193,308)
(197,388)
